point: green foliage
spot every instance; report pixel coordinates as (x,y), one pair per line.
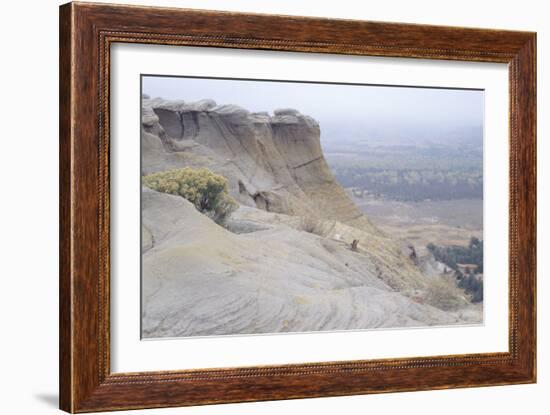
(206,190)
(472,285)
(411,173)
(454,255)
(411,185)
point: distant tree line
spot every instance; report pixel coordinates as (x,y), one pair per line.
(456,257)
(411,173)
(412,185)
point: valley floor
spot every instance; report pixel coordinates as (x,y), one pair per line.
(443,223)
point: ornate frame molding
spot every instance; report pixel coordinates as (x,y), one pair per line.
(86,34)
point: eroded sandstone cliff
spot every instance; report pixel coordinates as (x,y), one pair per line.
(279,275)
(273,162)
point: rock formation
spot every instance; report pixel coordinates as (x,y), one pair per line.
(274,162)
(287,265)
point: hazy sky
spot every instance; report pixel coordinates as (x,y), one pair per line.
(330,103)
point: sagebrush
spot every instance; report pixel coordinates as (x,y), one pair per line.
(205,189)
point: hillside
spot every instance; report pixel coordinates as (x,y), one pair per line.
(283,262)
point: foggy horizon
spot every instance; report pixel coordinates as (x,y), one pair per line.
(377,112)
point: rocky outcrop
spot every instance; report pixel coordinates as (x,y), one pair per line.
(200,279)
(273,162)
(287,265)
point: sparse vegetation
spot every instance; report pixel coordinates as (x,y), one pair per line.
(309,224)
(455,255)
(205,189)
(443,295)
(467,262)
(472,285)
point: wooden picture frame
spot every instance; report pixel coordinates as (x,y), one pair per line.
(86,33)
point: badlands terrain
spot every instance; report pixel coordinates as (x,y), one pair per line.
(297,255)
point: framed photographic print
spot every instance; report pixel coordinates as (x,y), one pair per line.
(259,207)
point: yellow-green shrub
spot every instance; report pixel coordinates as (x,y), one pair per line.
(206,190)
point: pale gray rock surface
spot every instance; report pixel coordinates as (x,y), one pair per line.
(284,262)
(200,279)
